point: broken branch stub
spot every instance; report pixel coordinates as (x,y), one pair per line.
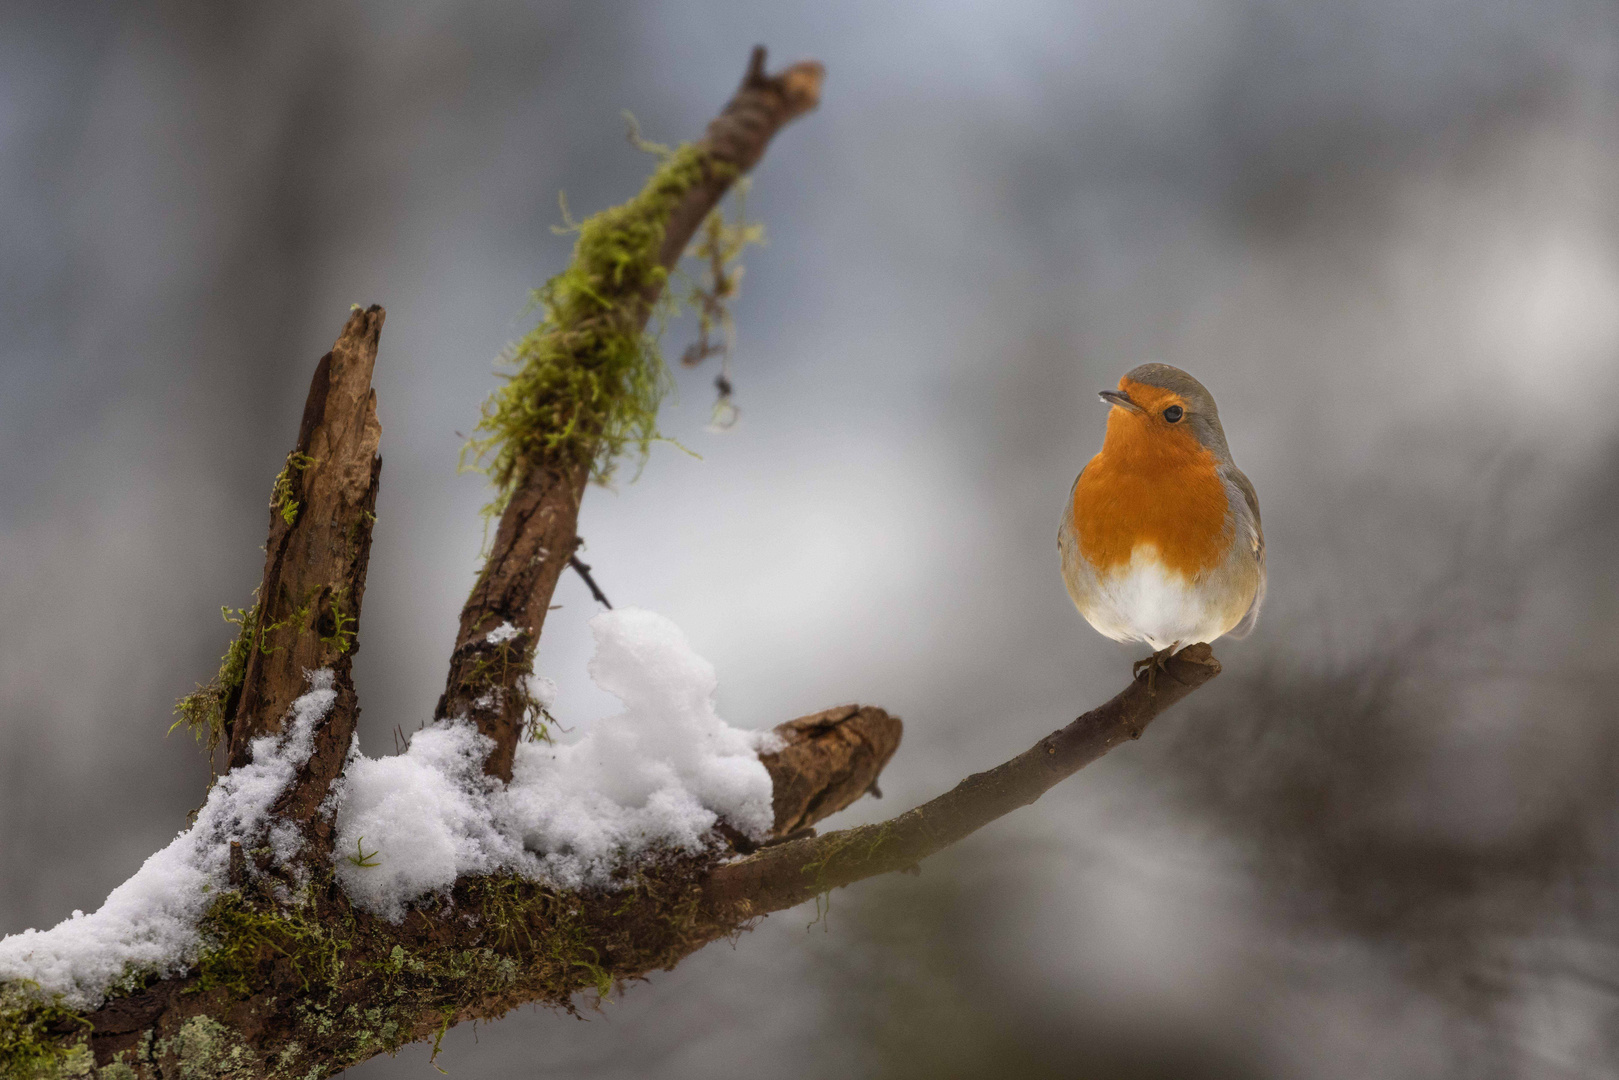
(830,760)
(307,618)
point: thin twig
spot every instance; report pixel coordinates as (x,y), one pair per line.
(582,568)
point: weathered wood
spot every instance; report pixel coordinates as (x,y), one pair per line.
(304,985)
(315,566)
(537,534)
(830,760)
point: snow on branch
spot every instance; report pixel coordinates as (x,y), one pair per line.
(654,779)
(148,926)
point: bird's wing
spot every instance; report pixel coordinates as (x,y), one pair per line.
(1256,538)
(1256,532)
(1068,507)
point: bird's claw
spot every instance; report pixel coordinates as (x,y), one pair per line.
(1152,665)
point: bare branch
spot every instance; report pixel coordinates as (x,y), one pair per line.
(308,611)
(789,874)
(536,536)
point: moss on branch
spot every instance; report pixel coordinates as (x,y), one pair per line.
(32,1031)
(283,497)
(347,985)
(205,709)
(589,378)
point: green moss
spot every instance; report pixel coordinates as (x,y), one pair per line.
(36,1034)
(502,669)
(205,710)
(281,493)
(868,838)
(116,1070)
(342,636)
(242,940)
(589,378)
(438,1038)
(361,857)
(364,990)
(510,907)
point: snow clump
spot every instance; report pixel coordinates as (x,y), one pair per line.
(149,923)
(659,775)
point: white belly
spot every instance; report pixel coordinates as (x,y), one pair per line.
(1144,601)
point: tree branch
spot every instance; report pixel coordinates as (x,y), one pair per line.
(511,942)
(788,874)
(537,535)
(322,510)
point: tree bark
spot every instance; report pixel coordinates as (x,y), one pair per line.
(315,563)
(830,760)
(513,942)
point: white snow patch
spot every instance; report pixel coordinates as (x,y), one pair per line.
(422,817)
(540,691)
(149,923)
(658,775)
(502,634)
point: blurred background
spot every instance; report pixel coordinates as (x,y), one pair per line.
(1385,234)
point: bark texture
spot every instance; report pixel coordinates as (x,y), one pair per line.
(316,555)
(340,985)
(830,760)
(309,999)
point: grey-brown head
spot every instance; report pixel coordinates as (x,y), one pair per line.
(1172,397)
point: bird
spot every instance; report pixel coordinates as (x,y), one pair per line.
(1160,537)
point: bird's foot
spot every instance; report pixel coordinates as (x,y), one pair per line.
(1152,665)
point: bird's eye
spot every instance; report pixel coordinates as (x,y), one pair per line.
(1174,413)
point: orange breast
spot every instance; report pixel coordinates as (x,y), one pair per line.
(1146,489)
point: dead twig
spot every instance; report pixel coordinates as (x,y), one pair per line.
(582,568)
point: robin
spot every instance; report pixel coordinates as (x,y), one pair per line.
(1160,537)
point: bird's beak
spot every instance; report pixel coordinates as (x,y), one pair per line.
(1121,399)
